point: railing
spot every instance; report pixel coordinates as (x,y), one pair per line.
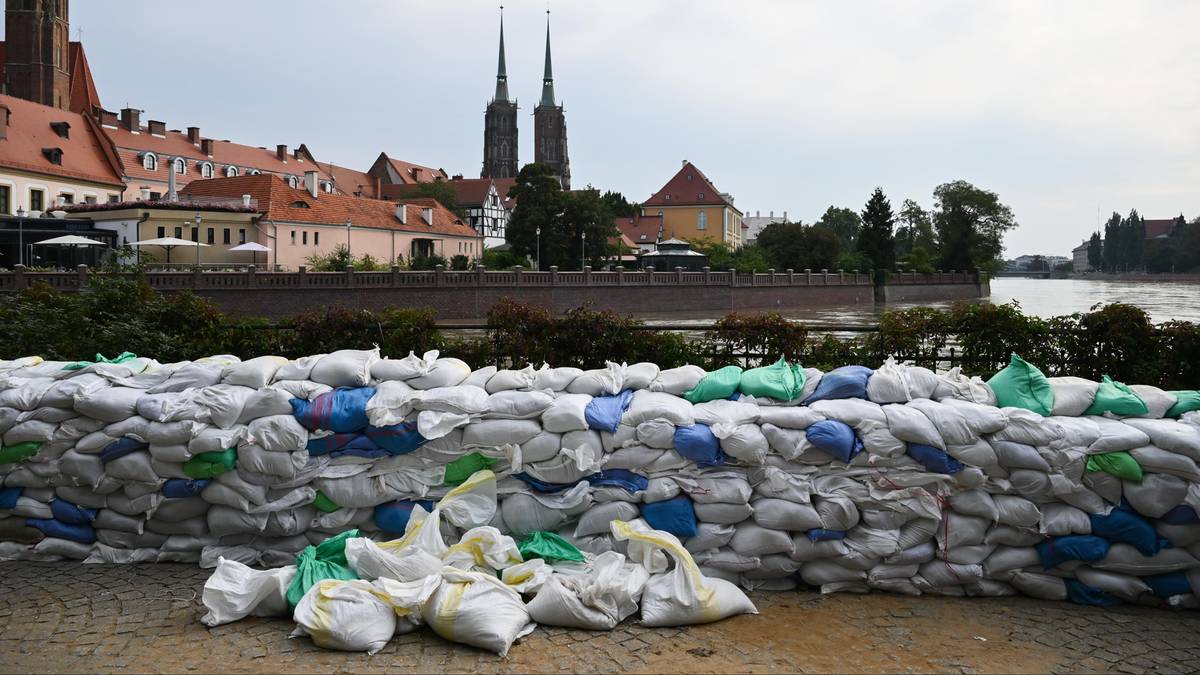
(195,278)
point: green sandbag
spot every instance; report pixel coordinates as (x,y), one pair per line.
(549,547)
(779,381)
(1185,401)
(80,365)
(1120,464)
(324,504)
(15,453)
(1022,385)
(210,464)
(717,385)
(462,468)
(1117,399)
(326,560)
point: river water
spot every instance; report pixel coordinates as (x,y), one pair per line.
(1163,301)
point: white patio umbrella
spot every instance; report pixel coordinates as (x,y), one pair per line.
(72,240)
(169,243)
(254,247)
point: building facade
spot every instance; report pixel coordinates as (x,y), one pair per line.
(37,44)
(550,126)
(755,224)
(693,209)
(218,226)
(500,148)
(1079,258)
(643,231)
(484,200)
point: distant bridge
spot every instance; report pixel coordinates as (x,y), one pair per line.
(1025,275)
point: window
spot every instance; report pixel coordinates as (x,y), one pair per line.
(155,196)
(5,199)
(304,238)
(113,199)
(196,234)
(150,161)
(241,236)
(212,235)
(206,170)
(37,200)
(293,182)
(225,236)
(180,165)
(293,237)
(253,172)
(66,198)
(90,199)
(702,221)
(700,196)
(327,186)
(162,232)
(316,238)
(231,172)
(179,233)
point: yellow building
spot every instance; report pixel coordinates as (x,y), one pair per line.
(220,225)
(692,209)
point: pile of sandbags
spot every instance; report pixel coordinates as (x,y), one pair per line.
(898,478)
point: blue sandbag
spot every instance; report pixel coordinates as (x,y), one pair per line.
(331,443)
(392,517)
(121,447)
(820,534)
(834,438)
(844,382)
(1082,594)
(9,497)
(83,534)
(622,478)
(934,460)
(342,410)
(361,446)
(66,512)
(697,443)
(542,486)
(1125,524)
(179,488)
(1167,585)
(1058,550)
(1181,515)
(397,439)
(675,515)
(603,413)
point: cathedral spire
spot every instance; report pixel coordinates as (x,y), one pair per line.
(501,75)
(548,76)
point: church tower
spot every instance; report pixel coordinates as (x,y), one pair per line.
(500,126)
(38,39)
(550,125)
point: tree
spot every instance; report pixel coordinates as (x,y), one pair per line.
(920,260)
(618,205)
(1095,252)
(876,241)
(572,223)
(798,247)
(845,224)
(970,223)
(1038,264)
(916,229)
(1112,243)
(442,191)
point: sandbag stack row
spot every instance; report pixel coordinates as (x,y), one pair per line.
(897,479)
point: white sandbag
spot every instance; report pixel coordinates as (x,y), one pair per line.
(597,599)
(753,540)
(1072,395)
(555,379)
(392,401)
(445,372)
(483,548)
(640,376)
(358,615)
(953,384)
(452,399)
(235,591)
(1157,460)
(404,369)
(789,417)
(277,433)
(495,433)
(1116,436)
(1123,586)
(221,404)
(518,404)
(110,405)
(345,368)
(604,381)
(265,402)
(658,434)
(781,514)
(511,380)
(597,520)
(682,596)
(678,380)
(1157,401)
(1059,520)
(566,414)
(254,373)
(709,536)
(1156,494)
(911,426)
(1170,435)
(649,405)
(724,413)
(477,609)
(895,383)
(745,442)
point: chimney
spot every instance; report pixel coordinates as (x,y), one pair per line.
(172,195)
(206,146)
(157,128)
(194,135)
(246,201)
(296,154)
(107,118)
(5,114)
(685,162)
(310,183)
(785,216)
(427,214)
(145,191)
(130,119)
(281,152)
(402,214)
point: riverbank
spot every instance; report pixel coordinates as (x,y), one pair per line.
(1139,277)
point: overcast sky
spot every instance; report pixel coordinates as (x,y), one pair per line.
(1061,107)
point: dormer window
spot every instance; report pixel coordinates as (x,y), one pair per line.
(294,182)
(689,177)
(62,129)
(231,171)
(253,172)
(180,166)
(149,161)
(206,170)
(53,155)
(326,186)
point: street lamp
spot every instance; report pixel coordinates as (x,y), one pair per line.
(538,258)
(197,238)
(348,255)
(582,249)
(20,235)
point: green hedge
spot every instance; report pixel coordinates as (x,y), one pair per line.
(115,315)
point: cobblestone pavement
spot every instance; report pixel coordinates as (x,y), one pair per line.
(73,617)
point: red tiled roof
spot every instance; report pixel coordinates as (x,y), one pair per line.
(348,181)
(688,187)
(84,97)
(416,173)
(84,155)
(640,229)
(1159,227)
(279,202)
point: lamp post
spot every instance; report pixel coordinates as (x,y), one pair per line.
(20,235)
(582,249)
(197,239)
(538,257)
(348,253)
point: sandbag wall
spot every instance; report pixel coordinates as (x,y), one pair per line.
(897,479)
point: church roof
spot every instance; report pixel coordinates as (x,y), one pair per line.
(84,97)
(29,134)
(688,187)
